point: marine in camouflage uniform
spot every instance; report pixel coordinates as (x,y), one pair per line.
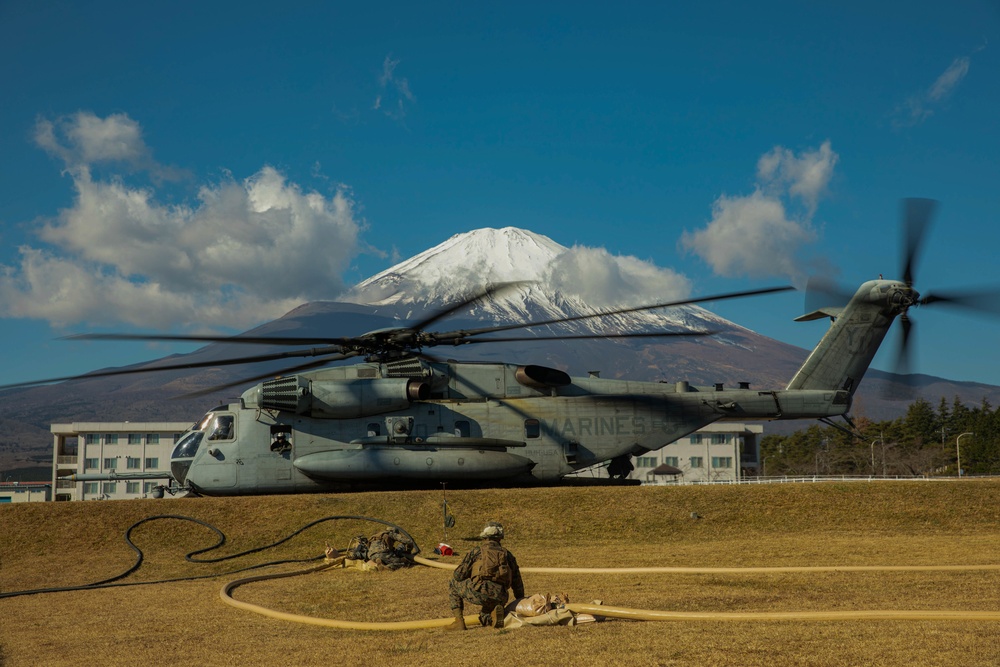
(390,550)
(491,595)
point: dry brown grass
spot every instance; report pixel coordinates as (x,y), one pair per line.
(904,523)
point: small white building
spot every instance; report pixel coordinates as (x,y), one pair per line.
(112,448)
(24,492)
(723,451)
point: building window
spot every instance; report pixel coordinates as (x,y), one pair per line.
(152,438)
(718,438)
(696,439)
(109,487)
(696,462)
(670,460)
(110,464)
(111,439)
(133,462)
(92,439)
(722,461)
(177,436)
(134,439)
(645,462)
(131,487)
(152,462)
(532,428)
(91,464)
(90,488)
(147,487)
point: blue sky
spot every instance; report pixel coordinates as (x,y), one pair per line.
(206,166)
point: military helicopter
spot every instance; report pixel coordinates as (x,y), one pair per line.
(403,416)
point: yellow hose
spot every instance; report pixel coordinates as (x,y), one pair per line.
(640,614)
(891,615)
(730,570)
(226,595)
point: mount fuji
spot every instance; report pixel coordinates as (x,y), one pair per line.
(556,283)
(552,282)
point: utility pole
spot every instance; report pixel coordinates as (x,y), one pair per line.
(958,452)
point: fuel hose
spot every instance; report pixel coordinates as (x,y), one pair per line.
(644,614)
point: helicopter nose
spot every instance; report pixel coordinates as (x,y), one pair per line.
(179,470)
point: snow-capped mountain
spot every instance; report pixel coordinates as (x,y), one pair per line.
(554,282)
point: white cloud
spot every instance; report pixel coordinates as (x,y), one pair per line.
(84,139)
(750,236)
(601,279)
(949,79)
(919,107)
(244,252)
(394,94)
(806,175)
(757,235)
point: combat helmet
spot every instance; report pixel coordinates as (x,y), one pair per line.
(492,531)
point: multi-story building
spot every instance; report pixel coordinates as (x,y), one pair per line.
(723,451)
(114,449)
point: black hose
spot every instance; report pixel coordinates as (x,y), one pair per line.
(190,557)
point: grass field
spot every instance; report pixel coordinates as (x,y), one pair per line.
(858,523)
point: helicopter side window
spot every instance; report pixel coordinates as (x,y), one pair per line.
(374,429)
(532,428)
(463,429)
(281,440)
(223,428)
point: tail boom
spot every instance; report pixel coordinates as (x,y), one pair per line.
(844,354)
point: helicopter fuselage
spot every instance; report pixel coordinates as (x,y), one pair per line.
(422,422)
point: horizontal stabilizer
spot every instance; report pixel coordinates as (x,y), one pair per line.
(829,311)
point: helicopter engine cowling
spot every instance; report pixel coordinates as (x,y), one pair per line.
(340,399)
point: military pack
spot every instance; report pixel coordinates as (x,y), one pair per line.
(492,564)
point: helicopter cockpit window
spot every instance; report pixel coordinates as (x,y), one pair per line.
(532,429)
(463,429)
(187,446)
(222,428)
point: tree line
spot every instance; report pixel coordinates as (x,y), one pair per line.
(921,443)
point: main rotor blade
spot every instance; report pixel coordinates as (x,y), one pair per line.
(240,340)
(490,291)
(619,311)
(645,334)
(917,214)
(185,366)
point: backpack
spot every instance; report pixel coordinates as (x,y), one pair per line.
(358,548)
(492,564)
(381,543)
